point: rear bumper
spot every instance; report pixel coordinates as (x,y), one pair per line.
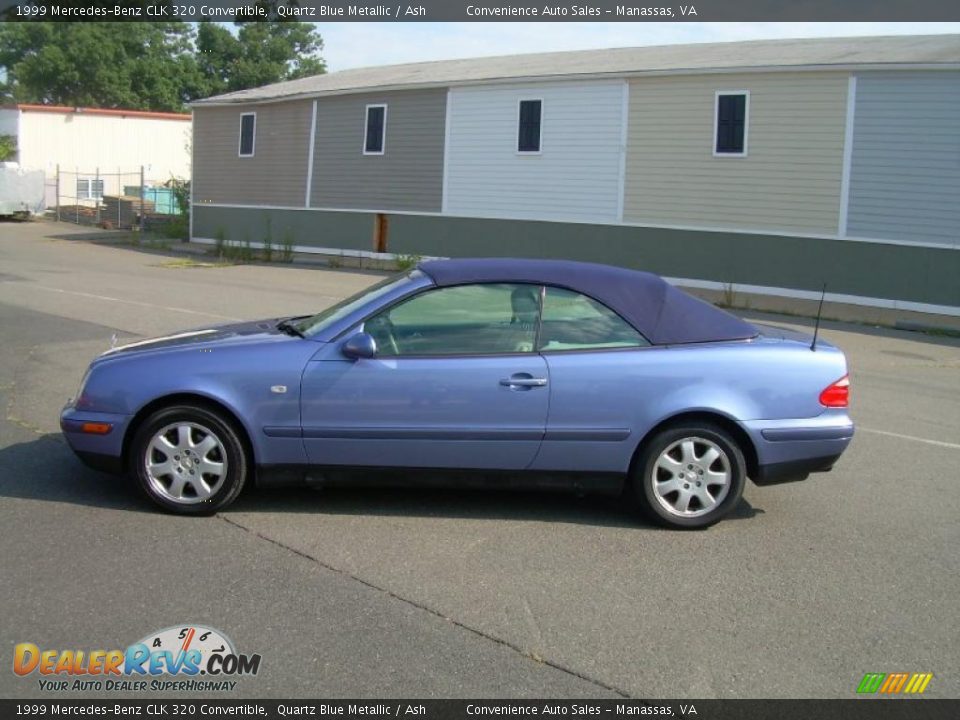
(789,450)
(101,451)
(793,470)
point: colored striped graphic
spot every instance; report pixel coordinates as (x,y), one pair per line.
(894,683)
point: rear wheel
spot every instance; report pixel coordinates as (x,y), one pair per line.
(690,476)
(189,460)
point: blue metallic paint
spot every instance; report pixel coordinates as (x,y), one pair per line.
(390,405)
(453,412)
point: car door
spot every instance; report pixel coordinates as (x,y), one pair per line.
(455,382)
(599,384)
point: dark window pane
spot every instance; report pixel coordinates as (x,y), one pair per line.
(375,128)
(529,133)
(247,129)
(731,123)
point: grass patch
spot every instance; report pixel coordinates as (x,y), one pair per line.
(191,263)
(407,262)
(286,247)
(148,241)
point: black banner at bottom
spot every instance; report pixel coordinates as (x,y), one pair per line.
(855,709)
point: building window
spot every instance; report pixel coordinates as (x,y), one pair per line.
(248,134)
(528,135)
(375,135)
(89,189)
(730,128)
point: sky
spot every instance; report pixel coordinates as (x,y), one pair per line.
(350,45)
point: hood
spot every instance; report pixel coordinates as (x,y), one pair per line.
(218,335)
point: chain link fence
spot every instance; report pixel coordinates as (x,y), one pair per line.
(113,200)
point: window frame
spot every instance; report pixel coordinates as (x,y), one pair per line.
(543,298)
(361,326)
(516,147)
(366,129)
(746,123)
(253,136)
(91,184)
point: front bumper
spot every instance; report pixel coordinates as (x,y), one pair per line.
(789,450)
(84,433)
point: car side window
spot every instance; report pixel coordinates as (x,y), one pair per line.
(572,321)
(481,319)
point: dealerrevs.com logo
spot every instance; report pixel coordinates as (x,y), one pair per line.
(183,657)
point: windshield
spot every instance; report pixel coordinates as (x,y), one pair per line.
(314,324)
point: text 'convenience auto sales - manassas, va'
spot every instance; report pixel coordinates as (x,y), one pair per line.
(198,657)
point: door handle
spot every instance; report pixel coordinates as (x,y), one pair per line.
(523,382)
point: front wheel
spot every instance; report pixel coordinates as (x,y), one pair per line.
(690,476)
(188,460)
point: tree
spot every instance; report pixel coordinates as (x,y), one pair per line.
(136,65)
(149,65)
(8,147)
(259,54)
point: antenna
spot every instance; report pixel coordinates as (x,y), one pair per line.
(816,327)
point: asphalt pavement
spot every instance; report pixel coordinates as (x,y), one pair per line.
(454,593)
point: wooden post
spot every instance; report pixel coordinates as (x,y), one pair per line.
(380,232)
(143,190)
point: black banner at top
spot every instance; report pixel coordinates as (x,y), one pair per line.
(484,10)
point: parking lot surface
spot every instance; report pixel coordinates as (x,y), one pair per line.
(437,593)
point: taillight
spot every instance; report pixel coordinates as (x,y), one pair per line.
(838,394)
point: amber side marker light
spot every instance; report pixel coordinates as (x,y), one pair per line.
(95,428)
(837,394)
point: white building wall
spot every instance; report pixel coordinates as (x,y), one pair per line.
(577,174)
(87,141)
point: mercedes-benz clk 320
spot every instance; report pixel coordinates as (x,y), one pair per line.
(501,372)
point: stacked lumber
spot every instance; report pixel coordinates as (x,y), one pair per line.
(81,214)
(124,210)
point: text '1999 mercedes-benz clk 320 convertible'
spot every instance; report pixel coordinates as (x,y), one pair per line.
(502,372)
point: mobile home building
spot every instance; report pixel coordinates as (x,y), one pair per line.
(773,165)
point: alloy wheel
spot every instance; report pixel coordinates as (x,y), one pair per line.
(185,462)
(691,477)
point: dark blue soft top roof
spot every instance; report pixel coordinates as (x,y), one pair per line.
(664,314)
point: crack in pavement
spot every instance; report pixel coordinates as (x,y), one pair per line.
(436,613)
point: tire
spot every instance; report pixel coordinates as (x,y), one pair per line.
(672,464)
(189,460)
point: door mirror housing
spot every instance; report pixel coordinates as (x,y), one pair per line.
(361,345)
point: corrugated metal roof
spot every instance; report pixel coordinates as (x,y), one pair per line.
(705,57)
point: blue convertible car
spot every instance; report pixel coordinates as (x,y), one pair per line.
(557,373)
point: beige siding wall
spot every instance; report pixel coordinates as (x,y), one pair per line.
(790,180)
(275,175)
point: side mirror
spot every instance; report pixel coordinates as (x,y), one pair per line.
(361,345)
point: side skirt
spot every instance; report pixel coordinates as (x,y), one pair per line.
(269,476)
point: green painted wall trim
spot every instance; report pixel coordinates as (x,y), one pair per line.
(893,272)
(345,230)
